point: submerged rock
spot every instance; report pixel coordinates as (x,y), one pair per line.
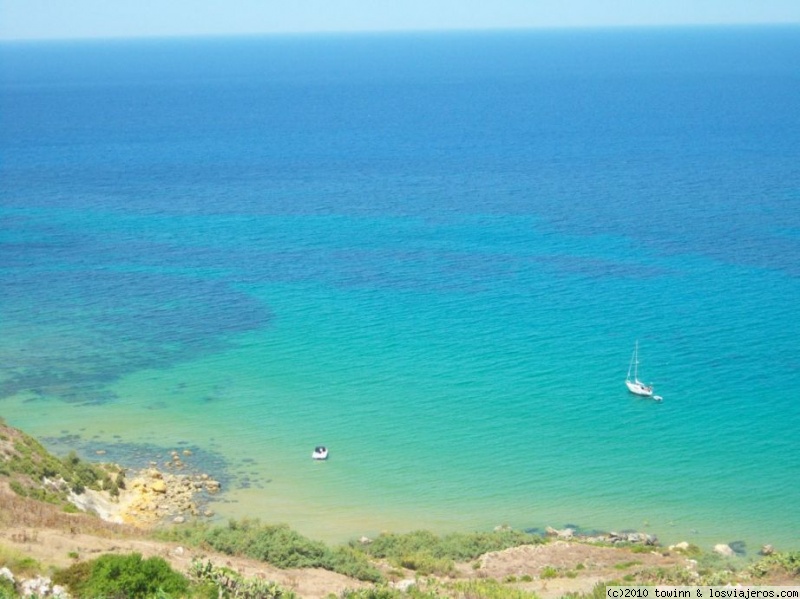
(724,550)
(565,533)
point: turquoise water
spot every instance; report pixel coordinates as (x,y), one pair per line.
(431,253)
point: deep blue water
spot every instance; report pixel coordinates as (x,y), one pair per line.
(432,252)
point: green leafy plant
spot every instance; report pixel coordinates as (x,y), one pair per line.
(122,576)
(227,583)
(784,562)
(487,589)
(427,553)
(548,572)
(626,565)
(278,545)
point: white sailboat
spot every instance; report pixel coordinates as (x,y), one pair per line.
(634,385)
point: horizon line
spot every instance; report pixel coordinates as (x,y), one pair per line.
(404,31)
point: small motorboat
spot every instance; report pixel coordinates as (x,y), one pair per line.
(320,453)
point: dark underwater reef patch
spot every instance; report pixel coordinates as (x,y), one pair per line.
(90,328)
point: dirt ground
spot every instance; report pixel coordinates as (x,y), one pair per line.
(56,539)
(587,565)
(53,548)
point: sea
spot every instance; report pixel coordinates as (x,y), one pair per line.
(433,253)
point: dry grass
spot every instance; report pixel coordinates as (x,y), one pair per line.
(21,512)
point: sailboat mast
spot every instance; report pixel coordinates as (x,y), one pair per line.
(633,361)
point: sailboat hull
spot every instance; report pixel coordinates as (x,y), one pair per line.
(639,388)
(634,385)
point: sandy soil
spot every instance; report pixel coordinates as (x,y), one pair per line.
(56,540)
(53,548)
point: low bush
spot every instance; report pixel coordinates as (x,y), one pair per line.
(785,562)
(18,562)
(597,592)
(7,590)
(489,589)
(224,582)
(29,463)
(425,564)
(121,577)
(459,547)
(548,572)
(278,545)
(375,593)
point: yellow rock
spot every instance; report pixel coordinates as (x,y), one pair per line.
(159,486)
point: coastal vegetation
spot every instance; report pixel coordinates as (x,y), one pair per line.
(498,564)
(430,554)
(122,576)
(278,545)
(422,552)
(787,563)
(34,472)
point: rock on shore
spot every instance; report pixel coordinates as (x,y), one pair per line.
(155,496)
(609,537)
(152,497)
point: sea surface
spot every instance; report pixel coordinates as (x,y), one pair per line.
(432,253)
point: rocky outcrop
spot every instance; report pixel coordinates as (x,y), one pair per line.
(39,586)
(724,550)
(636,538)
(154,496)
(564,533)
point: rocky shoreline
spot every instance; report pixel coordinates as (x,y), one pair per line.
(153,496)
(158,496)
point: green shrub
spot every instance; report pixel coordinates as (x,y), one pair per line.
(278,545)
(787,562)
(425,564)
(489,589)
(31,460)
(218,581)
(626,565)
(7,590)
(345,560)
(74,577)
(548,572)
(121,577)
(373,593)
(17,487)
(459,547)
(597,592)
(19,563)
(637,548)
